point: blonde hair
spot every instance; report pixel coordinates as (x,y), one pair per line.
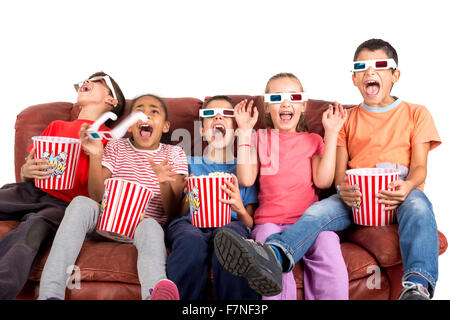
(302,125)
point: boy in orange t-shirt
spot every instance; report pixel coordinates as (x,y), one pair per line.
(383,131)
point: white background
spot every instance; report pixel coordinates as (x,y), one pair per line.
(198,48)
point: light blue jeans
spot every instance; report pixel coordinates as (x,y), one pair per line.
(419,242)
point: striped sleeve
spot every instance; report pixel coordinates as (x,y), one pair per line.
(110,156)
(179,160)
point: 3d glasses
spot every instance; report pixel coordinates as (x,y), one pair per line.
(98,135)
(280,97)
(207,113)
(119,131)
(376,64)
(107,80)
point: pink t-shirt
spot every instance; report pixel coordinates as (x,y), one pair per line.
(286,183)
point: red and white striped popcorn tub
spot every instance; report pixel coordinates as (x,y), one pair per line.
(370,182)
(123,207)
(64,154)
(204,193)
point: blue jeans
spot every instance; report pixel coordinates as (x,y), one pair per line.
(193,257)
(419,242)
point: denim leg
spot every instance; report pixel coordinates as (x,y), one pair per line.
(419,242)
(188,264)
(330,214)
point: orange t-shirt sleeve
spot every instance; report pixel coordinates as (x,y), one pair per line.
(425,129)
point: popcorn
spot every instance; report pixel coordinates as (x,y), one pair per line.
(216,174)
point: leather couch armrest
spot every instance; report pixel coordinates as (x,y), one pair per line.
(383,242)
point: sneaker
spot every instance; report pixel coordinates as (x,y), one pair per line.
(164,290)
(413,291)
(249,259)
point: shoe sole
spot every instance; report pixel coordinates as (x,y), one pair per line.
(165,291)
(236,258)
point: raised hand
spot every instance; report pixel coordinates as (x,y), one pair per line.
(242,114)
(334,118)
(163,171)
(90,146)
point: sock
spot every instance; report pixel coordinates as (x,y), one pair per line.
(276,252)
(418,279)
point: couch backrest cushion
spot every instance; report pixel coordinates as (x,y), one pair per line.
(183,112)
(314,111)
(31,122)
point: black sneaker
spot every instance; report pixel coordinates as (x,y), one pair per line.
(249,259)
(413,291)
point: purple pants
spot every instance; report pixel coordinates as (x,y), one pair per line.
(325,273)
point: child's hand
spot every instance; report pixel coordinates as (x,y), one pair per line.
(243,117)
(35,168)
(232,189)
(392,199)
(163,171)
(90,146)
(334,118)
(350,194)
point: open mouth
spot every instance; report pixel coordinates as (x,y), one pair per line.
(372,87)
(219,131)
(286,115)
(145,130)
(85,88)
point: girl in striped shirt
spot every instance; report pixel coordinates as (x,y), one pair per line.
(143,159)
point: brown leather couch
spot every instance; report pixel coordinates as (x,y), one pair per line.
(108,269)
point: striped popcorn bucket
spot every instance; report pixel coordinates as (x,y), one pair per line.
(64,154)
(205,208)
(370,182)
(122,208)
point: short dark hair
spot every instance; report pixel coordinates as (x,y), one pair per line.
(377,44)
(219,97)
(166,136)
(160,100)
(120,107)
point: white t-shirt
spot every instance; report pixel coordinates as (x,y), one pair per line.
(131,164)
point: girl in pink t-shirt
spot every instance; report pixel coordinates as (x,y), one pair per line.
(290,163)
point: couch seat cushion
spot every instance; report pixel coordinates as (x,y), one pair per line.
(100,261)
(383,242)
